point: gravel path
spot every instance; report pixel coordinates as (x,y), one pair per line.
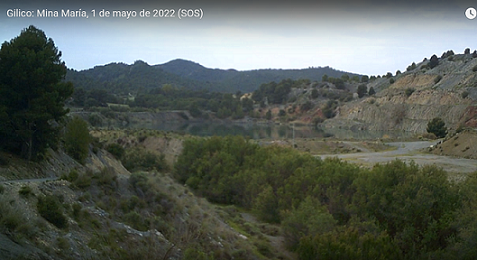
(411,151)
(30,180)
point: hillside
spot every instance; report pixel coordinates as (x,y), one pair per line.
(404,101)
(60,209)
(409,100)
(461,145)
(182,73)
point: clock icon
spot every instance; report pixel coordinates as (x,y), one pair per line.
(471,13)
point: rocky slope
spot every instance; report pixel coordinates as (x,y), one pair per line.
(409,100)
(102,211)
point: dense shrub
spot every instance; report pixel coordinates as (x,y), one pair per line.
(77,139)
(50,208)
(139,159)
(314,93)
(362,90)
(433,62)
(411,67)
(330,209)
(371,91)
(116,150)
(409,91)
(329,109)
(25,191)
(95,120)
(437,126)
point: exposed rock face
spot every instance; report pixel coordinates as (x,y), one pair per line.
(411,113)
(438,92)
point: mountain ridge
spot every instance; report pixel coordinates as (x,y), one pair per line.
(189,74)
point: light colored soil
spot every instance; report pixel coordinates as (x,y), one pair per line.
(462,145)
(411,151)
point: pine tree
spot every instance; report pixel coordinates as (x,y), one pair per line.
(32,93)
(371,91)
(434,61)
(362,90)
(437,126)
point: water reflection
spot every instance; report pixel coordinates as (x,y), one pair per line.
(273,131)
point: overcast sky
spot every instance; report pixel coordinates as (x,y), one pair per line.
(366,37)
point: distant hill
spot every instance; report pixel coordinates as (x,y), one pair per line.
(188,74)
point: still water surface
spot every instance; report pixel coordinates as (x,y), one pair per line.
(273,131)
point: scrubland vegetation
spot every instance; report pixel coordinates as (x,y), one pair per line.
(330,209)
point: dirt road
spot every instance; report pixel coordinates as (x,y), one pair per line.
(410,151)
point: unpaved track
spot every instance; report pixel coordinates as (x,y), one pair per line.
(411,151)
(30,180)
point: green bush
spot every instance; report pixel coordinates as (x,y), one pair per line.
(329,109)
(195,254)
(107,176)
(83,180)
(50,209)
(409,91)
(438,127)
(25,191)
(76,210)
(77,139)
(362,90)
(72,176)
(11,215)
(314,93)
(309,218)
(139,159)
(371,91)
(95,120)
(116,150)
(331,209)
(136,221)
(433,62)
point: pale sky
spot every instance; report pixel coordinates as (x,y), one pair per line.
(366,37)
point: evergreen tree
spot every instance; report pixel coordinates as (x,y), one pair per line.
(314,93)
(437,126)
(362,90)
(32,93)
(371,91)
(434,61)
(77,139)
(324,78)
(268,115)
